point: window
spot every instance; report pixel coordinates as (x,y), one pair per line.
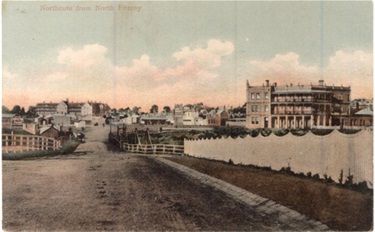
(257,95)
(266,95)
(253,96)
(256,120)
(265,108)
(254,108)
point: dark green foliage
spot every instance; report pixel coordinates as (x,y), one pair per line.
(349,132)
(316,177)
(281,132)
(321,131)
(265,132)
(298,132)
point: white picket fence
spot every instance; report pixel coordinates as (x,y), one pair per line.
(323,155)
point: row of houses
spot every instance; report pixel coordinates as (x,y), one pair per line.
(180,116)
(305,106)
(85,110)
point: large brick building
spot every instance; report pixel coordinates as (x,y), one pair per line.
(296,106)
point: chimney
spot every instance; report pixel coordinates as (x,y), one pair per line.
(321,82)
(267,83)
(275,84)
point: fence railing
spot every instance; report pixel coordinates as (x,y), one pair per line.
(12,143)
(153,148)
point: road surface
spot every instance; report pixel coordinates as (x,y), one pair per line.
(98,188)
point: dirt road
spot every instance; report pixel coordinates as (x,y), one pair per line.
(97,188)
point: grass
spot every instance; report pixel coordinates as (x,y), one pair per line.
(338,207)
(68,148)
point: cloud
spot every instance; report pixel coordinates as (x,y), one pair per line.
(7,74)
(209,57)
(141,71)
(284,68)
(87,73)
(344,68)
(90,55)
(56,76)
(354,69)
(191,64)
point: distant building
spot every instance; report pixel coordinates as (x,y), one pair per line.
(189,117)
(85,110)
(154,119)
(62,107)
(45,108)
(50,132)
(31,127)
(61,120)
(217,117)
(362,118)
(360,104)
(296,106)
(44,120)
(178,115)
(240,122)
(12,121)
(100,109)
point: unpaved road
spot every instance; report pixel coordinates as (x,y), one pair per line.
(99,189)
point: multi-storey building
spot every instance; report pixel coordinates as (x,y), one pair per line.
(86,110)
(258,105)
(45,108)
(100,109)
(296,106)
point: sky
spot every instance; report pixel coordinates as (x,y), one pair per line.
(131,54)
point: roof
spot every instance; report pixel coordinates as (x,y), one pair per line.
(365,112)
(44,129)
(8,115)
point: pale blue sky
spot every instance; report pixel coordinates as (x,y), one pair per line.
(259,31)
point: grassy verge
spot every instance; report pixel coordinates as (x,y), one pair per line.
(67,148)
(339,208)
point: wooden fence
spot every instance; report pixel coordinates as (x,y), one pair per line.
(153,148)
(12,143)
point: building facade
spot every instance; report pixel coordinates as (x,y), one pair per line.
(296,106)
(12,121)
(45,108)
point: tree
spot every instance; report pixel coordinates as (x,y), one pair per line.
(31,112)
(167,109)
(154,109)
(16,109)
(5,110)
(136,109)
(198,106)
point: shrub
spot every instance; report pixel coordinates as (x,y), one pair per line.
(316,177)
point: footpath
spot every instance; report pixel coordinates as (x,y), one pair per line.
(263,206)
